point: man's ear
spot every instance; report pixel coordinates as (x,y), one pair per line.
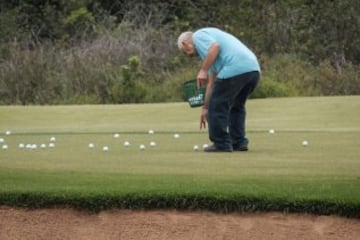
(184,43)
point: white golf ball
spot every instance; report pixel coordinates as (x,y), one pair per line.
(105,148)
(51,145)
(152,144)
(43,145)
(5,147)
(52,139)
(196,148)
(176,135)
(91,145)
(8,132)
(126,144)
(21,145)
(116,135)
(28,146)
(142,147)
(2,140)
(33,146)
(305,143)
(271,131)
(151,132)
(205,145)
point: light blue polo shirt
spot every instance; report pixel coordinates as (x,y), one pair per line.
(234,57)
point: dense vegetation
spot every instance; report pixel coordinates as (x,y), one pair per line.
(119,51)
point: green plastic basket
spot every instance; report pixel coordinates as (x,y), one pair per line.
(194,96)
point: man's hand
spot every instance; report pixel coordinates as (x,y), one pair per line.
(203,118)
(202,78)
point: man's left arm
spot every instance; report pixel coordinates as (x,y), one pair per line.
(212,54)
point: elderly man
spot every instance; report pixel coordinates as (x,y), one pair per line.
(231,72)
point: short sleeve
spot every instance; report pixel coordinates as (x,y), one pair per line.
(202,41)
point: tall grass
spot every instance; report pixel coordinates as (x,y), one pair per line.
(92,71)
(88,71)
(288,75)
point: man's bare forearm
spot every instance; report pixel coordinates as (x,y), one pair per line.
(209,87)
(210,57)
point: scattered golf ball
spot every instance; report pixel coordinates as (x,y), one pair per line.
(152,144)
(2,140)
(21,145)
(271,131)
(52,139)
(91,145)
(151,132)
(176,135)
(8,132)
(43,145)
(205,145)
(196,148)
(5,147)
(105,148)
(305,143)
(51,145)
(126,144)
(116,135)
(28,146)
(33,146)
(142,147)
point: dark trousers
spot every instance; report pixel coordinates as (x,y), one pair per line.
(227,113)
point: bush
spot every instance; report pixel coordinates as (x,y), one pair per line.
(129,89)
(335,82)
(271,88)
(26,77)
(82,99)
(101,68)
(291,71)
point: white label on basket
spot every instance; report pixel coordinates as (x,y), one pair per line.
(197,99)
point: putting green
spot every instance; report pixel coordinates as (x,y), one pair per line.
(277,166)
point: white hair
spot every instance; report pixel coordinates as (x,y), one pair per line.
(185,36)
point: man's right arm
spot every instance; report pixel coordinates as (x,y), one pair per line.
(204,110)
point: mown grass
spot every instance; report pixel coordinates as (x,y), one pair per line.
(278,173)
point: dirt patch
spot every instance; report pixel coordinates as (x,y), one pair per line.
(125,224)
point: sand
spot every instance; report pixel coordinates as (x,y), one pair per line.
(175,225)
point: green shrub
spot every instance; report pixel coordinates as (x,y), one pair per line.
(77,19)
(271,88)
(82,99)
(341,81)
(129,89)
(26,77)
(292,71)
(109,73)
